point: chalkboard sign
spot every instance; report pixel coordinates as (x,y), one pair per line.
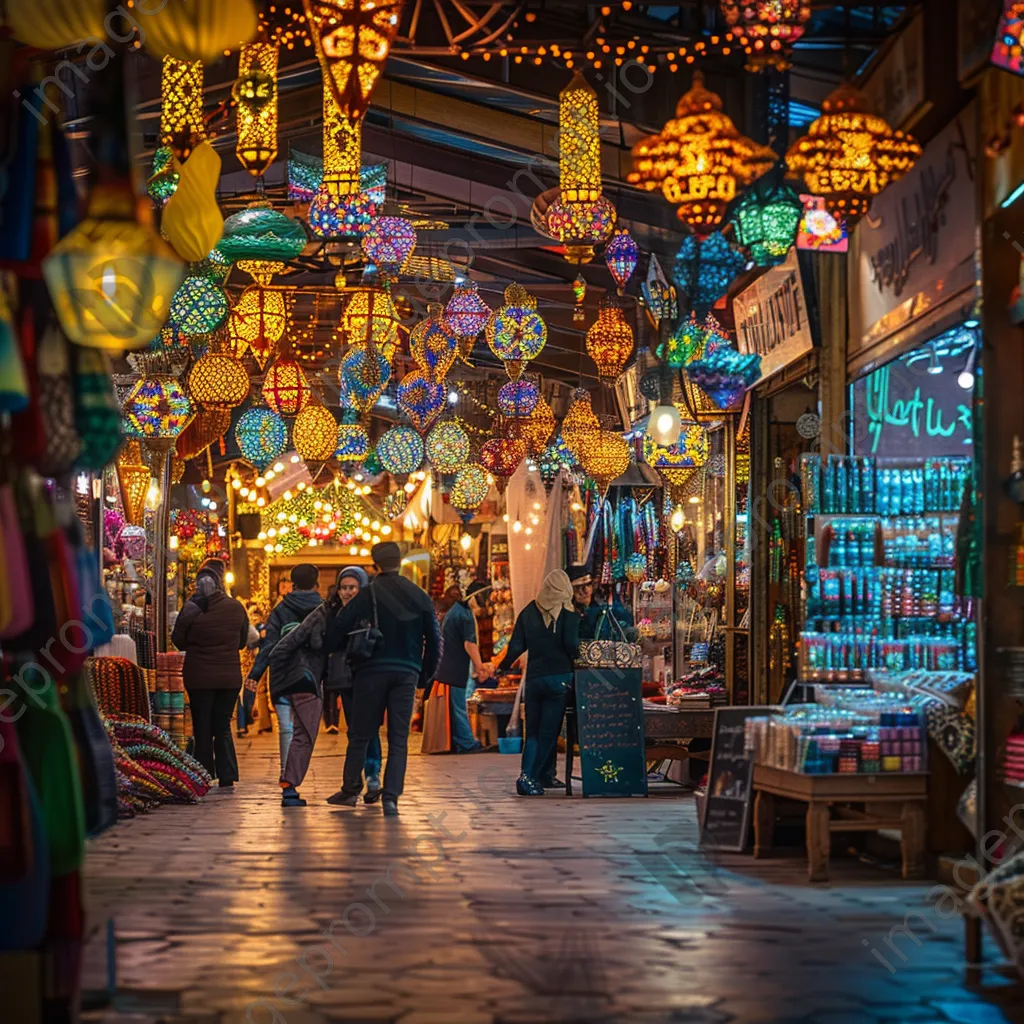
(727,805)
(610,721)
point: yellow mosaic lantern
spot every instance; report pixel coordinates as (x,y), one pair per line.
(580,423)
(850,154)
(433,343)
(218,380)
(610,340)
(133,478)
(534,430)
(258,322)
(315,433)
(255,95)
(285,388)
(605,456)
(181,106)
(370,317)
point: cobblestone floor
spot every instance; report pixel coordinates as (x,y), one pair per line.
(499,910)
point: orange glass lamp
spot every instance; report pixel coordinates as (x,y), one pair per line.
(850,154)
(605,456)
(258,322)
(580,423)
(767,29)
(610,340)
(255,95)
(285,388)
(315,433)
(534,430)
(218,380)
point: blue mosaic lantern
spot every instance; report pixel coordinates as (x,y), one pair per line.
(261,436)
(703,270)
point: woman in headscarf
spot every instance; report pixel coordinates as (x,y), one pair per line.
(547,631)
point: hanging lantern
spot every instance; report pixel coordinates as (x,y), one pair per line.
(636,567)
(684,344)
(56,24)
(364,375)
(200,29)
(447,447)
(258,322)
(580,423)
(518,397)
(156,407)
(610,340)
(133,477)
(850,154)
(534,430)
(261,436)
(400,451)
(699,159)
(218,380)
(261,233)
(620,256)
(553,459)
(518,332)
(255,95)
(421,399)
(724,374)
(689,449)
(207,426)
(164,175)
(370,317)
(353,443)
(182,125)
(388,242)
(315,433)
(191,220)
(285,388)
(605,457)
(334,209)
(433,343)
(580,217)
(466,314)
(469,491)
(767,29)
(199,306)
(501,456)
(703,270)
(765,221)
(112,278)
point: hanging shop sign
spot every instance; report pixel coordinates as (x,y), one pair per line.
(895,86)
(911,270)
(610,719)
(771,317)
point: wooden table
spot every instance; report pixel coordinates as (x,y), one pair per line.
(486,708)
(893,801)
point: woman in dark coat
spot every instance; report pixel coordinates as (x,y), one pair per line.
(547,631)
(211,629)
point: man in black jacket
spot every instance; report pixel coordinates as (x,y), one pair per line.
(405,657)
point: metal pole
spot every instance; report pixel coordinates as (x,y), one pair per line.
(161,531)
(729,516)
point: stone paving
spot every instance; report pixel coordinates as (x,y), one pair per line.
(480,907)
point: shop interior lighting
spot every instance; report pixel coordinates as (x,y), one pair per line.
(1013,196)
(934,366)
(966,376)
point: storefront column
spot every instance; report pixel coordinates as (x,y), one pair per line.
(830,275)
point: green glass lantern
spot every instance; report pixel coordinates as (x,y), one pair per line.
(765,221)
(199,306)
(261,233)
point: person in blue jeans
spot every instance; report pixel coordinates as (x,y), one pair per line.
(460,654)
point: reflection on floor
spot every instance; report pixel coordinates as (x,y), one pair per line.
(479,906)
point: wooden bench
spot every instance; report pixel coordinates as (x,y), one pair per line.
(895,801)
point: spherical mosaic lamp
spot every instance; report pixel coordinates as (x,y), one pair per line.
(388,242)
(315,433)
(467,314)
(285,388)
(518,397)
(433,343)
(261,233)
(218,380)
(400,451)
(261,436)
(447,447)
(469,491)
(199,306)
(421,398)
(353,443)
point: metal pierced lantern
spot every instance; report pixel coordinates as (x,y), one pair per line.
(447,447)
(610,340)
(466,314)
(433,343)
(261,436)
(217,379)
(703,270)
(469,491)
(364,375)
(388,242)
(285,388)
(400,450)
(767,29)
(580,423)
(156,406)
(620,256)
(518,397)
(315,433)
(605,456)
(501,455)
(337,207)
(261,233)
(200,306)
(765,220)
(370,316)
(133,476)
(421,398)
(518,332)
(850,154)
(699,159)
(258,321)
(534,430)
(181,105)
(255,96)
(353,443)
(164,175)
(207,426)
(689,451)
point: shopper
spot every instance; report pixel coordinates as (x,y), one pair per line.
(211,629)
(396,618)
(460,655)
(599,612)
(547,632)
(246,702)
(297,603)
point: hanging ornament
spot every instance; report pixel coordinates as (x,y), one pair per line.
(850,154)
(370,317)
(447,447)
(338,208)
(199,306)
(765,221)
(199,30)
(501,457)
(156,407)
(605,457)
(636,567)
(255,96)
(182,125)
(620,256)
(261,436)
(534,430)
(690,450)
(433,343)
(192,221)
(579,293)
(261,233)
(466,314)
(164,175)
(206,427)
(703,270)
(133,476)
(580,423)
(724,374)
(519,397)
(258,322)
(767,29)
(353,442)
(518,332)
(364,375)
(469,491)
(388,243)
(400,451)
(421,399)
(218,380)
(610,340)
(285,388)
(684,344)
(315,433)
(553,460)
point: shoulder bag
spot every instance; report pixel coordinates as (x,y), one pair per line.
(363,641)
(609,653)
